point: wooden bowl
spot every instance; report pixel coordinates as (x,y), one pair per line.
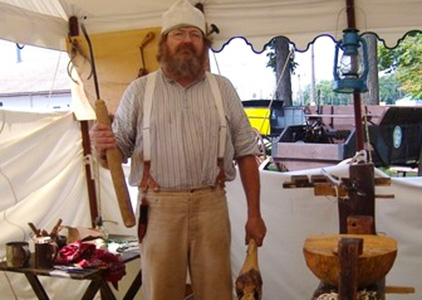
(376,260)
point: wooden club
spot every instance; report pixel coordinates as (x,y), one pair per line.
(249,281)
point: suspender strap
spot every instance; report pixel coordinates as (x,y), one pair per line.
(146,130)
(147,181)
(223,128)
(219,104)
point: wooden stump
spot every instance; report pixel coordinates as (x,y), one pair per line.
(376,260)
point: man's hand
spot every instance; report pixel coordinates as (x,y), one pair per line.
(102,139)
(255,229)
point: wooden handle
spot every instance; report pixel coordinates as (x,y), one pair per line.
(399,290)
(114,161)
(56,228)
(251,261)
(33,228)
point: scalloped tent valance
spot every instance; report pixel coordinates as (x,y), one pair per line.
(45,22)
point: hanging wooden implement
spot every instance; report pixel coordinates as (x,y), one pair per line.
(147,39)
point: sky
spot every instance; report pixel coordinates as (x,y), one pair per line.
(8,53)
(253,80)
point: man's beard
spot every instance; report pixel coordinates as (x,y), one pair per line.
(185,63)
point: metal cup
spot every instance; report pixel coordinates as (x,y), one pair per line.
(17,254)
(45,253)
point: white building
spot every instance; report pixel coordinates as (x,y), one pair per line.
(33,78)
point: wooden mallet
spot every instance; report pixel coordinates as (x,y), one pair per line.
(249,281)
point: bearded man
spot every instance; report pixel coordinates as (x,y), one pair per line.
(184,129)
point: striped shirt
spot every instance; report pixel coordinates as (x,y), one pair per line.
(184,132)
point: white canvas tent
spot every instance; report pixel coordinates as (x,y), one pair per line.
(42,179)
(45,22)
(42,174)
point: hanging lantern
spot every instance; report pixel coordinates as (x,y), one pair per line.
(351,72)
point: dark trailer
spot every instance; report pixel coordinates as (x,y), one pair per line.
(393,134)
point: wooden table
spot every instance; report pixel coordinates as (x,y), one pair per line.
(96,276)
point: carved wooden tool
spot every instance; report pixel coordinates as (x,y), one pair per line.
(249,281)
(114,161)
(114,158)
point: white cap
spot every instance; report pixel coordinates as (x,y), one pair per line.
(182,14)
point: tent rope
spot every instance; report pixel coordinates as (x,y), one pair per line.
(95,173)
(216,63)
(50,93)
(283,71)
(368,141)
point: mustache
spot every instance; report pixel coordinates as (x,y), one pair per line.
(184,47)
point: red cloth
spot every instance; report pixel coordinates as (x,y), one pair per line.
(87,256)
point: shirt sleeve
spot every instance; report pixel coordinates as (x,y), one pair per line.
(242,134)
(126,119)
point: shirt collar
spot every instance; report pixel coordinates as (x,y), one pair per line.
(170,80)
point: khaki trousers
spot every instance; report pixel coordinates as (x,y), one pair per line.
(188,231)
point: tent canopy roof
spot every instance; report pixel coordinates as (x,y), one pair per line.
(45,22)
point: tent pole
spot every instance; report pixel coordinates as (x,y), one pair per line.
(86,144)
(351,23)
(358,121)
(350,10)
(93,207)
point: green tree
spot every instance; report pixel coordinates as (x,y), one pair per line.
(406,62)
(281,60)
(325,94)
(390,89)
(388,86)
(272,57)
